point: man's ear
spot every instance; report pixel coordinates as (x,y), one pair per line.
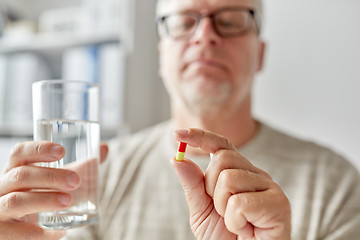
(261,56)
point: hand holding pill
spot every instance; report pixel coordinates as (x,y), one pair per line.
(233,198)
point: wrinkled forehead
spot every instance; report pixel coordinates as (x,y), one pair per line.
(169,6)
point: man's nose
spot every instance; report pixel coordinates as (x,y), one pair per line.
(205,33)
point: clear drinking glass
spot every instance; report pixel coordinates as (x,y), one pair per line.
(67,112)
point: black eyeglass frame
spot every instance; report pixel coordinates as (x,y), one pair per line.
(161,21)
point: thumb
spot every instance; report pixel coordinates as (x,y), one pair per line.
(193,182)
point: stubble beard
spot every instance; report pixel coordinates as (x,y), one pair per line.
(206,100)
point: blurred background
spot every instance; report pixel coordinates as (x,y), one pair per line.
(309,86)
(311,81)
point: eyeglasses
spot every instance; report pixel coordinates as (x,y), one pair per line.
(227,22)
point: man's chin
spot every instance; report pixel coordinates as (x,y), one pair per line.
(205,87)
(206,100)
(205,110)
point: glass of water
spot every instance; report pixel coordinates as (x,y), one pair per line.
(67,112)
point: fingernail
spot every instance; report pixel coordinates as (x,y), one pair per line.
(64,199)
(72,179)
(182,132)
(211,156)
(57,151)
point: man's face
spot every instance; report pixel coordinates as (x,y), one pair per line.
(206,72)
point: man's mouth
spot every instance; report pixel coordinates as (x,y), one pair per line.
(205,63)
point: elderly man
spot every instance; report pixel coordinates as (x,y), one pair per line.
(257,183)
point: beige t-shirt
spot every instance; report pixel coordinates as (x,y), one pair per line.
(141,197)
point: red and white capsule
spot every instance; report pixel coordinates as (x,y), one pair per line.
(181,151)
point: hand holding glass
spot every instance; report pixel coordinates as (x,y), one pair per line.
(67,112)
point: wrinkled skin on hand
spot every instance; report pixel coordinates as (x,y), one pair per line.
(27,189)
(233,199)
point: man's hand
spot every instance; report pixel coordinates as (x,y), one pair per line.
(234,199)
(20,199)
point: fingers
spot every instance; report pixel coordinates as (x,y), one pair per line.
(235,181)
(269,211)
(104,149)
(16,205)
(205,140)
(31,177)
(27,231)
(243,194)
(192,180)
(226,159)
(26,153)
(224,155)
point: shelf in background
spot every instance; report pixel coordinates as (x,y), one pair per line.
(25,130)
(42,43)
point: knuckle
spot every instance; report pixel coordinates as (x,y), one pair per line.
(222,158)
(17,150)
(220,154)
(226,177)
(233,201)
(19,174)
(228,143)
(250,175)
(264,174)
(38,148)
(201,132)
(11,200)
(279,197)
(255,201)
(228,153)
(51,177)
(267,175)
(247,201)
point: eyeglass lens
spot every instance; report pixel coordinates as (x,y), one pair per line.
(226,23)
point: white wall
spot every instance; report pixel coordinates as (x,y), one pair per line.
(311,81)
